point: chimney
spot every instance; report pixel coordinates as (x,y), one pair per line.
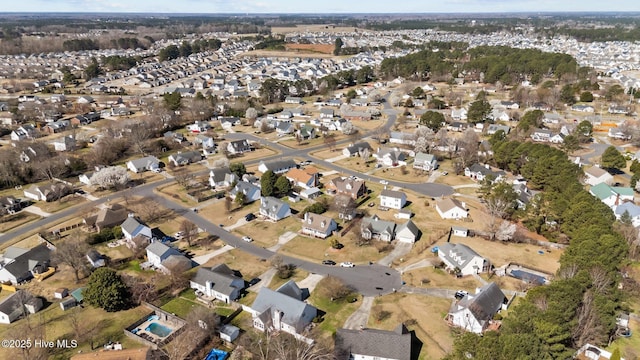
(306,216)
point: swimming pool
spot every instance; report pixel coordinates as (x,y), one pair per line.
(158,329)
(153,317)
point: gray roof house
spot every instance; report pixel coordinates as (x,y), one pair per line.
(392,199)
(95,258)
(166,258)
(407,232)
(49,192)
(374,228)
(462,257)
(356,149)
(373,344)
(277,166)
(218,282)
(425,161)
(185,158)
(238,147)
(222,177)
(250,191)
(479,172)
(274,209)
(318,225)
(474,312)
(143,164)
(282,310)
(22,264)
(132,228)
(18,304)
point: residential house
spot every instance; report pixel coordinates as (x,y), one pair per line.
(612,195)
(222,177)
(277,166)
(459,231)
(282,310)
(463,258)
(451,209)
(218,282)
(510,105)
(306,132)
(318,225)
(185,158)
(132,228)
(18,304)
(199,127)
(595,175)
(552,118)
(293,100)
(373,344)
(85,99)
(65,143)
(498,115)
(207,143)
(285,128)
(326,113)
(19,264)
(631,209)
(95,258)
(583,108)
(614,133)
(356,149)
(357,115)
(166,258)
(494,128)
(251,192)
(274,209)
(474,312)
(524,195)
(459,114)
(457,126)
(56,127)
(557,138)
(237,147)
(50,192)
(392,199)
(617,109)
(479,173)
(396,137)
(175,137)
(541,135)
(10,205)
(24,132)
(305,178)
(311,193)
(592,352)
(424,161)
(351,187)
(407,232)
(143,164)
(107,217)
(390,157)
(375,228)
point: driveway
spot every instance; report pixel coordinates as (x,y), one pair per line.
(360,317)
(283,239)
(206,257)
(265,279)
(417,265)
(36,211)
(310,282)
(401,249)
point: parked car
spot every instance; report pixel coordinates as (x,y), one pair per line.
(249,217)
(445,173)
(247,239)
(328,262)
(347,264)
(460,294)
(179,235)
(384,182)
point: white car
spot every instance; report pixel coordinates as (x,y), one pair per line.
(347,264)
(384,182)
(179,235)
(247,239)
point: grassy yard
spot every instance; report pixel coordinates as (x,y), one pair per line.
(292,143)
(315,250)
(250,266)
(180,306)
(176,193)
(337,312)
(629,347)
(438,278)
(257,154)
(422,314)
(266,233)
(66,202)
(217,214)
(298,275)
(9,222)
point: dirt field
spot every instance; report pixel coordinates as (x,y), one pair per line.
(284,54)
(427,314)
(314,28)
(312,48)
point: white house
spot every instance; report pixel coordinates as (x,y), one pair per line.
(592,352)
(595,175)
(18,304)
(65,143)
(132,228)
(612,195)
(251,192)
(630,208)
(424,161)
(238,147)
(198,127)
(451,209)
(95,258)
(277,166)
(143,164)
(49,192)
(390,157)
(218,282)
(221,177)
(474,312)
(318,225)
(274,209)
(161,255)
(462,257)
(407,232)
(392,199)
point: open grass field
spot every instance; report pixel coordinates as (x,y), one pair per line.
(316,249)
(337,312)
(66,202)
(311,48)
(250,266)
(422,314)
(9,222)
(266,233)
(440,279)
(298,275)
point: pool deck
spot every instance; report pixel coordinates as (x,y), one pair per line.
(154,338)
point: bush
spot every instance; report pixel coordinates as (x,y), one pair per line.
(104,235)
(286,271)
(334,288)
(316,208)
(380,314)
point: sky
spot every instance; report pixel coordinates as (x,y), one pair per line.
(318,6)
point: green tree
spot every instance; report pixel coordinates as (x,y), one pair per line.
(615,355)
(436,103)
(570,144)
(338,46)
(586,96)
(169,53)
(173,101)
(433,120)
(634,180)
(531,119)
(93,69)
(478,111)
(106,290)
(282,185)
(240,198)
(567,95)
(584,130)
(238,168)
(418,93)
(267,183)
(614,92)
(612,159)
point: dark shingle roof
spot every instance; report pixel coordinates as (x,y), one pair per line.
(374,343)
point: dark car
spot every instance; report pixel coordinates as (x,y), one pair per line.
(328,262)
(249,217)
(460,294)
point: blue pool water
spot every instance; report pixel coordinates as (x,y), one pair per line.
(527,276)
(153,317)
(158,330)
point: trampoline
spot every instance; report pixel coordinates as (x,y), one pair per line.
(528,277)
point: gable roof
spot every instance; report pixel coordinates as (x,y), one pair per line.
(629,207)
(26,262)
(219,174)
(596,172)
(292,307)
(408,226)
(424,158)
(290,288)
(277,165)
(378,226)
(458,254)
(316,222)
(484,304)
(15,301)
(220,277)
(160,249)
(447,204)
(393,194)
(144,162)
(477,168)
(603,191)
(374,343)
(271,205)
(301,175)
(108,217)
(131,226)
(359,146)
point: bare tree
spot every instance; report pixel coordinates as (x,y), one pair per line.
(139,134)
(72,252)
(334,288)
(190,231)
(330,141)
(142,290)
(112,177)
(286,346)
(201,324)
(184,177)
(469,149)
